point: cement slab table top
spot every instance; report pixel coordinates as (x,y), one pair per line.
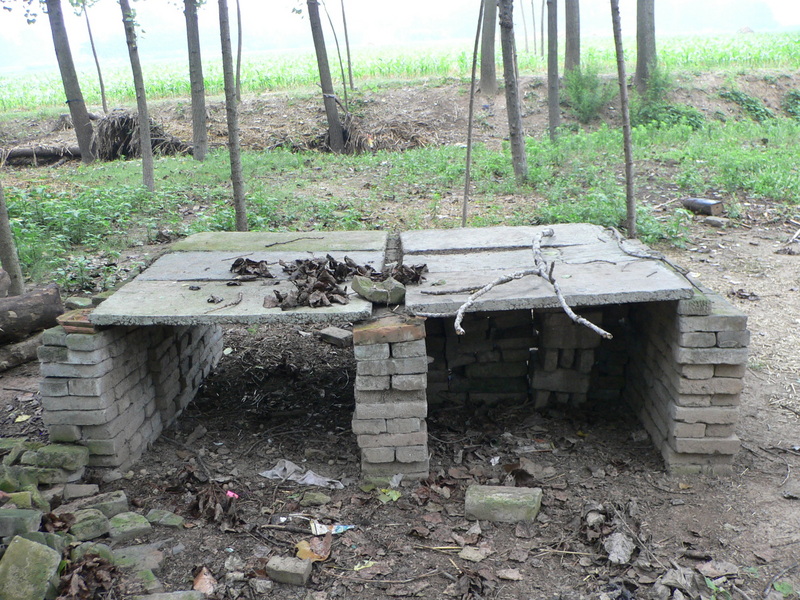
(165,294)
(590,267)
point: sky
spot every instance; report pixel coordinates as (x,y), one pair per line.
(271,25)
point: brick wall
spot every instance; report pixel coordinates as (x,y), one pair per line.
(115,390)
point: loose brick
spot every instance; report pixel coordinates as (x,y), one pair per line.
(411,425)
(371,352)
(409,382)
(378,455)
(733,339)
(289,570)
(709,445)
(409,349)
(502,503)
(410,454)
(336,336)
(391,329)
(367,383)
(393,439)
(399,410)
(369,426)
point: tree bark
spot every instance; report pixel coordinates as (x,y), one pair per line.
(335,132)
(515,133)
(20,353)
(630,200)
(488,83)
(22,315)
(645,43)
(69,78)
(96,60)
(572,48)
(238,52)
(553,110)
(8,251)
(232,113)
(347,46)
(148,176)
(199,129)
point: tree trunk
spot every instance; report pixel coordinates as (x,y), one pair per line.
(553,110)
(96,60)
(347,46)
(515,133)
(541,30)
(199,130)
(488,84)
(335,132)
(8,251)
(630,200)
(128,20)
(22,315)
(72,88)
(572,48)
(645,43)
(20,353)
(238,52)
(465,203)
(524,25)
(232,112)
(533,25)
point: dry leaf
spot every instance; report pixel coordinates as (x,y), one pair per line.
(204,582)
(316,549)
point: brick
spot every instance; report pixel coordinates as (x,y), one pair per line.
(502,504)
(81,403)
(378,455)
(726,400)
(694,400)
(369,426)
(697,339)
(88,358)
(732,321)
(696,371)
(55,336)
(392,366)
(584,361)
(410,454)
(710,356)
(383,471)
(419,438)
(107,447)
(709,445)
(561,380)
(516,342)
(80,417)
(409,382)
(566,357)
(733,339)
(688,430)
(409,349)
(391,329)
(64,433)
(399,410)
(698,305)
(89,387)
(730,370)
(715,385)
(52,354)
(130,421)
(720,430)
(336,336)
(54,386)
(78,371)
(515,355)
(402,425)
(712,464)
(548,359)
(367,383)
(371,352)
(572,336)
(710,416)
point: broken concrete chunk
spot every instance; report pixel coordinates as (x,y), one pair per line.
(502,504)
(336,336)
(28,571)
(89,523)
(287,569)
(390,291)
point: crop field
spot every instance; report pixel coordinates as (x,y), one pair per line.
(281,71)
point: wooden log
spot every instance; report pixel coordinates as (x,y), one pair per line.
(22,315)
(38,154)
(13,355)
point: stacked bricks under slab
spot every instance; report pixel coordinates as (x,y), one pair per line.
(485,365)
(391,403)
(561,370)
(686,378)
(608,377)
(115,390)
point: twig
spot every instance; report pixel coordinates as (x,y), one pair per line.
(639,540)
(570,552)
(237,256)
(794,237)
(786,462)
(228,305)
(193,451)
(392,581)
(442,549)
(294,240)
(741,592)
(778,576)
(13,389)
(462,290)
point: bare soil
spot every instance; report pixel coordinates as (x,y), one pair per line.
(281,393)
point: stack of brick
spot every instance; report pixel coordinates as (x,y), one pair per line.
(561,370)
(607,380)
(391,405)
(116,389)
(485,365)
(685,379)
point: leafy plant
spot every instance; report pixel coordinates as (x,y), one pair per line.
(717,592)
(587,93)
(653,107)
(752,106)
(791,104)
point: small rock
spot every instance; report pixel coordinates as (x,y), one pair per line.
(234,563)
(293,571)
(164,518)
(474,553)
(502,504)
(127,526)
(509,574)
(314,499)
(73,491)
(145,556)
(28,570)
(716,221)
(101,550)
(56,541)
(594,518)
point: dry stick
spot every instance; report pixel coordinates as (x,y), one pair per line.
(228,305)
(778,576)
(644,546)
(741,592)
(469,117)
(293,240)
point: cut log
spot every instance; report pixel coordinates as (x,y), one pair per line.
(13,355)
(38,154)
(22,315)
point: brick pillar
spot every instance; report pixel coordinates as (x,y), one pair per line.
(391,403)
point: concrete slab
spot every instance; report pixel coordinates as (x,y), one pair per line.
(295,241)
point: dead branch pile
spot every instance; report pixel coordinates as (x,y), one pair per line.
(118,137)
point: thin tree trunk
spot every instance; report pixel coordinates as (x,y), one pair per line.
(515,133)
(199,130)
(347,46)
(524,25)
(96,60)
(572,24)
(232,113)
(335,132)
(553,110)
(465,204)
(541,30)
(630,200)
(339,54)
(488,84)
(8,251)
(645,43)
(128,21)
(533,25)
(238,52)
(72,88)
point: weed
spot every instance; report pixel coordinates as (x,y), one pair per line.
(752,106)
(717,592)
(653,108)
(791,104)
(587,93)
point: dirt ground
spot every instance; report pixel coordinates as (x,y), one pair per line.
(280,393)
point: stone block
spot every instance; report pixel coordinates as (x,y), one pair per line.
(369,426)
(73,491)
(402,425)
(128,526)
(409,382)
(697,305)
(389,329)
(89,524)
(733,339)
(14,521)
(57,456)
(696,371)
(378,455)
(502,504)
(28,571)
(55,336)
(392,366)
(401,410)
(371,352)
(369,383)
(54,387)
(385,440)
(293,571)
(709,416)
(109,504)
(336,336)
(409,349)
(707,445)
(64,433)
(411,454)
(710,356)
(697,339)
(730,370)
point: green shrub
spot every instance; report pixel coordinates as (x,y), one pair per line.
(791,104)
(652,107)
(587,94)
(751,106)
